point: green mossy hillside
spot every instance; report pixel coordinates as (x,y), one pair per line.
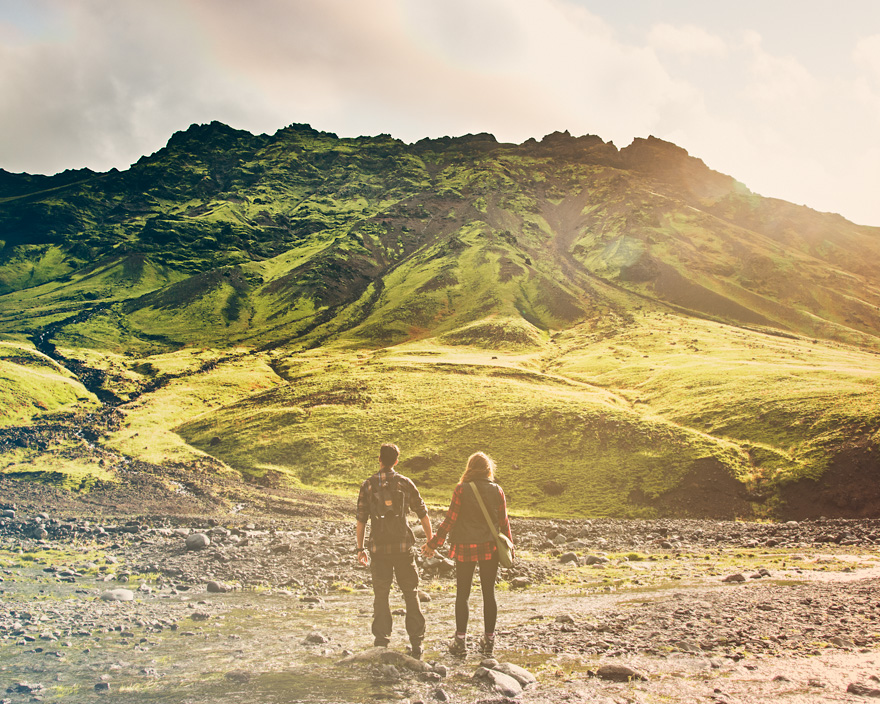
(33,385)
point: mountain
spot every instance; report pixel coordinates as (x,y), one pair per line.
(625,320)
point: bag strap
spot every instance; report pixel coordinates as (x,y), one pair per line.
(485,512)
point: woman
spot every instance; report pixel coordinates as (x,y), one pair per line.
(472,544)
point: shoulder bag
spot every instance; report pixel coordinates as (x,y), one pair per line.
(505,546)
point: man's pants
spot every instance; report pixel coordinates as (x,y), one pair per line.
(383,568)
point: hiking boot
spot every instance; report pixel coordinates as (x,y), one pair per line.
(486,646)
(416,651)
(458,646)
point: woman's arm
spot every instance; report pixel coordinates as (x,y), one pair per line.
(448,522)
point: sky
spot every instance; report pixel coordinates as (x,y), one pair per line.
(783,95)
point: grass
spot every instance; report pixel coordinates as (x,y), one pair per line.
(33,385)
(454,295)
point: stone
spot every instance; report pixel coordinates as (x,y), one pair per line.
(501,683)
(568,557)
(520,674)
(389,672)
(619,673)
(565,618)
(315,638)
(738,577)
(102,687)
(424,597)
(379,655)
(520,582)
(197,541)
(25,688)
(595,560)
(118,595)
(863,690)
(688,646)
(218,588)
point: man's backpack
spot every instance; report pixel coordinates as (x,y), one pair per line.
(388,520)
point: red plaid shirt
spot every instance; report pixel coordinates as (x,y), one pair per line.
(469,552)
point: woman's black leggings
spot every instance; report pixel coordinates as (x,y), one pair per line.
(464,577)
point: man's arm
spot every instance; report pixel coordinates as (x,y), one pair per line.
(417,504)
(363,513)
(426,525)
(361,529)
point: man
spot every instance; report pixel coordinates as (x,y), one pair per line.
(384,500)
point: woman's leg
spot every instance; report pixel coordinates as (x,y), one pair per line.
(488,573)
(464,577)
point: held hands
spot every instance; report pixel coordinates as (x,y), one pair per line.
(426,551)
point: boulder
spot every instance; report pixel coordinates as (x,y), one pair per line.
(197,541)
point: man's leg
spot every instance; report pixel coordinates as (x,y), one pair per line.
(408,581)
(382,570)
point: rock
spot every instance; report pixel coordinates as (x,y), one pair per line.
(863,690)
(424,597)
(380,655)
(389,672)
(315,638)
(619,673)
(738,577)
(441,670)
(197,541)
(568,557)
(8,513)
(25,688)
(440,695)
(687,646)
(520,674)
(102,687)
(841,642)
(565,618)
(520,583)
(218,588)
(118,595)
(501,683)
(595,560)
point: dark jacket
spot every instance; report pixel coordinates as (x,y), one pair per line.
(471,528)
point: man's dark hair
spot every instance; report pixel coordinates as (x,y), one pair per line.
(388,455)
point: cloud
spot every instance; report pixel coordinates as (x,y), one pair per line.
(866,55)
(99,82)
(687,40)
(776,80)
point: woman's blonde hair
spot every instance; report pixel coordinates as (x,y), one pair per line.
(479,466)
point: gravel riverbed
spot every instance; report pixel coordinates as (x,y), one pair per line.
(241,609)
